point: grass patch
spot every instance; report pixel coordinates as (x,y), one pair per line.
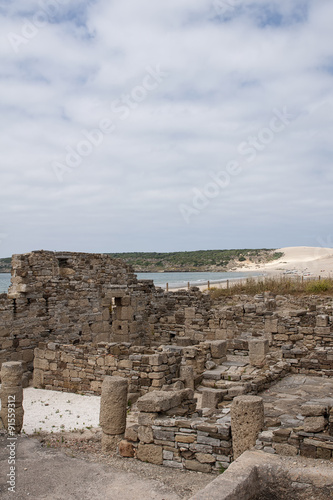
(277,285)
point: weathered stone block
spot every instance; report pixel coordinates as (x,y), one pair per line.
(197,466)
(145,434)
(247,420)
(314,424)
(150,453)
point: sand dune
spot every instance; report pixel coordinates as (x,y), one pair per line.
(314,260)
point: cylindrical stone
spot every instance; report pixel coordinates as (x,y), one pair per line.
(113,407)
(11,373)
(11,395)
(247,420)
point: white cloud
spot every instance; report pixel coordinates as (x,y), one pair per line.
(225,75)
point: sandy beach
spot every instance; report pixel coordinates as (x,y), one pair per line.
(302,261)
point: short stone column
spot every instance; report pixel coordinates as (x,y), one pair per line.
(11,395)
(186,373)
(258,348)
(112,417)
(247,420)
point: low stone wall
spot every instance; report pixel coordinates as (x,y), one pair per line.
(198,444)
(82,368)
(313,440)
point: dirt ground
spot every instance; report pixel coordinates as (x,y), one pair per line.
(71,466)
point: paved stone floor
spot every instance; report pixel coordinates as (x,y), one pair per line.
(283,400)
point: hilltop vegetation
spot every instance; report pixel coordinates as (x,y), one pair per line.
(199,260)
(5,265)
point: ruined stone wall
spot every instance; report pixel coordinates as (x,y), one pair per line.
(164,436)
(64,297)
(82,368)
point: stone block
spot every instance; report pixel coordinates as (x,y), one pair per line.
(145,434)
(285,449)
(218,349)
(247,420)
(197,466)
(314,424)
(131,433)
(258,348)
(150,453)
(211,398)
(313,409)
(158,401)
(126,449)
(322,320)
(205,458)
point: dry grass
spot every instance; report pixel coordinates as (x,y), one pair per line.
(276,285)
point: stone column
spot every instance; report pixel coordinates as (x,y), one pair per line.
(258,348)
(113,409)
(186,373)
(11,395)
(247,420)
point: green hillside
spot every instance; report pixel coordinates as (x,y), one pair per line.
(199,260)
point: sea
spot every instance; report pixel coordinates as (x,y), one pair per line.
(174,280)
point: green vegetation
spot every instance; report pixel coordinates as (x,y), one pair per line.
(5,265)
(199,260)
(277,285)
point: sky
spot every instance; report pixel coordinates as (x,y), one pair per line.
(165,126)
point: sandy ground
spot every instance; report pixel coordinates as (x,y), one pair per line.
(64,460)
(53,411)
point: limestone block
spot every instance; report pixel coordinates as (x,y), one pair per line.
(113,405)
(285,449)
(322,320)
(150,453)
(126,449)
(211,398)
(131,433)
(158,401)
(313,410)
(197,466)
(147,418)
(314,424)
(187,374)
(38,379)
(218,349)
(247,420)
(41,364)
(258,348)
(145,434)
(205,458)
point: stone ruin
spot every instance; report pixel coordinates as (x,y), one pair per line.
(84,323)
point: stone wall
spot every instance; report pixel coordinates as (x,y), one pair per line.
(163,436)
(313,440)
(82,368)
